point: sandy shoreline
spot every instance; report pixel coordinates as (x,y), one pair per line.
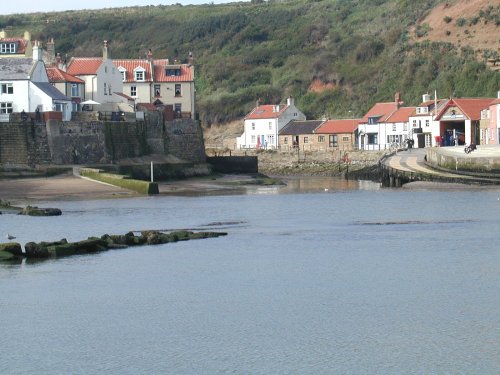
(68,187)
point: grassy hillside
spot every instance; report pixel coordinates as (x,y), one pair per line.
(333,56)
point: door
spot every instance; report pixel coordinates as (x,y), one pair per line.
(421,140)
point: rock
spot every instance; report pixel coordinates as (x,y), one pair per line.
(10,250)
(36,250)
(36,211)
(91,245)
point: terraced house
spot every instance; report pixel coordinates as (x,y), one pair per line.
(159,82)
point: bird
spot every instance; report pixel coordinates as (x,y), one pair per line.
(326,189)
(10,236)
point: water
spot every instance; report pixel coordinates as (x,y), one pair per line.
(352,280)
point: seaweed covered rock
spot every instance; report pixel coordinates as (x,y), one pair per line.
(37,211)
(10,250)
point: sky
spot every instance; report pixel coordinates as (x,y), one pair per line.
(12,7)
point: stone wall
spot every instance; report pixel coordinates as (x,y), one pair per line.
(99,142)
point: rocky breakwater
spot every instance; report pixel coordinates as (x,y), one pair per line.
(63,248)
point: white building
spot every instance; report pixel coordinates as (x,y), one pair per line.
(263,123)
(24,86)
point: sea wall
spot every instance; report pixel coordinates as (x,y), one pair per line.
(91,141)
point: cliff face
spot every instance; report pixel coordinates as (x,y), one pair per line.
(99,142)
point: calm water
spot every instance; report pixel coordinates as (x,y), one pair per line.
(353,280)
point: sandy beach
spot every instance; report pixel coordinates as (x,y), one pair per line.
(66,187)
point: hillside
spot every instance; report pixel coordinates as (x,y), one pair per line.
(333,56)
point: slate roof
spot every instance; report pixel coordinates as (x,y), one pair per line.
(51,91)
(58,75)
(265,111)
(84,65)
(295,127)
(14,68)
(346,126)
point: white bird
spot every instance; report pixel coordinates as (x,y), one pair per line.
(10,237)
(326,189)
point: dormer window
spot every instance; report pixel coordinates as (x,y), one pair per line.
(8,48)
(373,120)
(140,74)
(173,72)
(123,73)
(422,110)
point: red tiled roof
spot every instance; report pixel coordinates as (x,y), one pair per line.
(383,110)
(84,65)
(131,64)
(57,75)
(266,111)
(496,101)
(401,115)
(123,95)
(338,126)
(22,44)
(471,107)
(160,74)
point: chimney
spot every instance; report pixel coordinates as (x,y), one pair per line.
(397,97)
(27,35)
(426,98)
(498,95)
(51,52)
(150,55)
(105,52)
(3,34)
(190,58)
(257,103)
(37,51)
(289,101)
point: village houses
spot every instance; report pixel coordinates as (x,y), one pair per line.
(263,123)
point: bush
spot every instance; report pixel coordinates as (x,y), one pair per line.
(461,22)
(447,19)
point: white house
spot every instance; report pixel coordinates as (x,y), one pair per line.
(371,128)
(102,79)
(24,86)
(72,87)
(263,123)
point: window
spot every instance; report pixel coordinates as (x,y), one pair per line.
(345,139)
(178,107)
(5,108)
(177,89)
(253,138)
(414,123)
(7,47)
(393,127)
(59,107)
(7,88)
(139,75)
(105,89)
(405,127)
(285,140)
(253,125)
(270,139)
(75,90)
(333,140)
(270,125)
(321,139)
(373,120)
(157,90)
(109,89)
(172,72)
(306,139)
(426,123)
(123,72)
(133,91)
(418,110)
(372,138)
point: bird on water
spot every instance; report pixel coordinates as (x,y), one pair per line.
(10,236)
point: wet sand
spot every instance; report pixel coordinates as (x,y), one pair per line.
(67,187)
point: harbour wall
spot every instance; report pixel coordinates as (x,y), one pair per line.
(90,141)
